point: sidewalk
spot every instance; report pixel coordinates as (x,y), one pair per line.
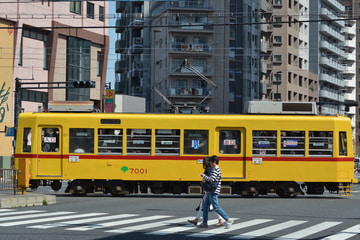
(9,200)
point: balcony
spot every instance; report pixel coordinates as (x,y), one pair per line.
(327,14)
(264,46)
(120,66)
(331,94)
(331,47)
(137,46)
(138,20)
(335,4)
(325,29)
(187,92)
(265,6)
(120,25)
(120,46)
(331,63)
(332,80)
(191,48)
(120,6)
(136,73)
(190,26)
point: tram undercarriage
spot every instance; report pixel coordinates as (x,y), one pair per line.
(284,189)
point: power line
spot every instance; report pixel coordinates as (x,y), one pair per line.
(187,25)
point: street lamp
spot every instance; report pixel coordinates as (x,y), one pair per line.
(278,81)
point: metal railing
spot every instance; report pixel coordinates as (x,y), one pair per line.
(8,179)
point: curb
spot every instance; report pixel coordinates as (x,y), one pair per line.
(27,200)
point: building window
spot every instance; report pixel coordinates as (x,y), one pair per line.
(78,67)
(101,13)
(100,57)
(20,62)
(90,10)
(277,39)
(277,58)
(36,34)
(75,7)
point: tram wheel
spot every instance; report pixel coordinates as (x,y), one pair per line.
(56,185)
(250,191)
(289,190)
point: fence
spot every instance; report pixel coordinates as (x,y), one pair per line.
(8,179)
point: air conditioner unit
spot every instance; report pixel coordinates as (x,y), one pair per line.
(138,40)
(137,64)
(139,16)
(137,89)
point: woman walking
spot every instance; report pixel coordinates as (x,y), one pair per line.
(207,172)
(214,183)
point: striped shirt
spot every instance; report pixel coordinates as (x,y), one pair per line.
(215,176)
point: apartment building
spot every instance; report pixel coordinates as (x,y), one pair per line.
(285,52)
(352,76)
(47,42)
(332,47)
(217,40)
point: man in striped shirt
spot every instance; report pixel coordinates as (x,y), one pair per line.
(212,197)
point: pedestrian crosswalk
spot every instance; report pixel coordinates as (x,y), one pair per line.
(160,225)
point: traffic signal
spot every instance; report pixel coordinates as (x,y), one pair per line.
(84,84)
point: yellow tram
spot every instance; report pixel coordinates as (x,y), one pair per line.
(121,153)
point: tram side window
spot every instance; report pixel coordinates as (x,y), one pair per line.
(138,141)
(167,142)
(81,140)
(293,143)
(229,141)
(196,142)
(50,139)
(27,140)
(320,143)
(264,143)
(342,144)
(110,141)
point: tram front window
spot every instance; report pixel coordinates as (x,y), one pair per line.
(27,140)
(50,139)
(229,141)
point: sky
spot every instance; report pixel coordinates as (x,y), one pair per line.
(110,74)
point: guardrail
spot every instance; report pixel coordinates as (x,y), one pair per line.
(8,179)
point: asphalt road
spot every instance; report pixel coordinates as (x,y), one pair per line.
(165,217)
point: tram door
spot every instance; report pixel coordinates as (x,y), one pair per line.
(49,159)
(231,152)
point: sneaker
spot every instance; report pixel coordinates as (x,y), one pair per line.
(195,221)
(228,223)
(219,224)
(203,225)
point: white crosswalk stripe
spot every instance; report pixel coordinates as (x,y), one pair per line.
(20,212)
(32,221)
(21,217)
(82,221)
(308,231)
(237,226)
(6,210)
(345,234)
(116,223)
(149,225)
(161,225)
(177,229)
(268,230)
(67,217)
